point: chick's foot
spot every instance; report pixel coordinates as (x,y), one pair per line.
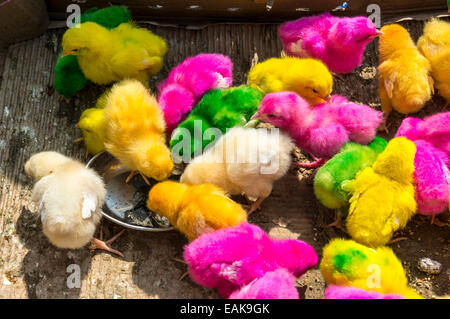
(338,222)
(318,162)
(437,222)
(104,245)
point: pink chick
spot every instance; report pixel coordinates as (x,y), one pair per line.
(337,42)
(278,284)
(431,173)
(323,129)
(188,81)
(231,258)
(348,292)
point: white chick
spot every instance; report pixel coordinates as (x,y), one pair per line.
(70,197)
(243,161)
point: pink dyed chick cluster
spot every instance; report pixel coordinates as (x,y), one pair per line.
(244,262)
(323,129)
(337,42)
(188,81)
(431,174)
(348,292)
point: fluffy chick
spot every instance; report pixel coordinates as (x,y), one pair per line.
(107,56)
(434,44)
(134,130)
(307,77)
(70,197)
(243,161)
(91,125)
(382,196)
(343,167)
(343,292)
(431,173)
(69,79)
(231,258)
(278,284)
(339,42)
(195,209)
(218,109)
(188,81)
(404,81)
(323,129)
(347,263)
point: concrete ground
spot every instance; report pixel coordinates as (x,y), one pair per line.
(34,119)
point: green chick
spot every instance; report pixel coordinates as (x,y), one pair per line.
(342,167)
(220,109)
(69,79)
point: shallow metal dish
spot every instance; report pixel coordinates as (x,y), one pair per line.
(119,196)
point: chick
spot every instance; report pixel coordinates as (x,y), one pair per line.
(70,198)
(434,44)
(337,42)
(307,77)
(218,109)
(69,79)
(348,292)
(404,81)
(188,81)
(133,128)
(382,196)
(195,209)
(323,129)
(107,56)
(91,125)
(231,258)
(347,263)
(431,174)
(278,284)
(343,167)
(243,161)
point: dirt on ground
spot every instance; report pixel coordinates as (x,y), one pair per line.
(34,119)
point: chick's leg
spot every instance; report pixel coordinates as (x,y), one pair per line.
(104,245)
(338,221)
(386,107)
(436,221)
(318,162)
(182,262)
(255,205)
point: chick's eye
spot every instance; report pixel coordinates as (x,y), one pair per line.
(271,115)
(315,91)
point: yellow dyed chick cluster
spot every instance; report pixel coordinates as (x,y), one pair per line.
(434,44)
(382,196)
(195,209)
(107,56)
(347,263)
(133,128)
(404,81)
(307,77)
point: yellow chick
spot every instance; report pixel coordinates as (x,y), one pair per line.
(434,44)
(404,81)
(195,210)
(107,56)
(134,127)
(243,161)
(382,196)
(91,125)
(307,77)
(70,198)
(347,263)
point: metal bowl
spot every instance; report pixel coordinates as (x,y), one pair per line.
(120,195)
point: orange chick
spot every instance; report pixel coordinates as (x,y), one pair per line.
(134,130)
(195,209)
(404,81)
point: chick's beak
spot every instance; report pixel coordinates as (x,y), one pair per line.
(255,116)
(327,98)
(378,33)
